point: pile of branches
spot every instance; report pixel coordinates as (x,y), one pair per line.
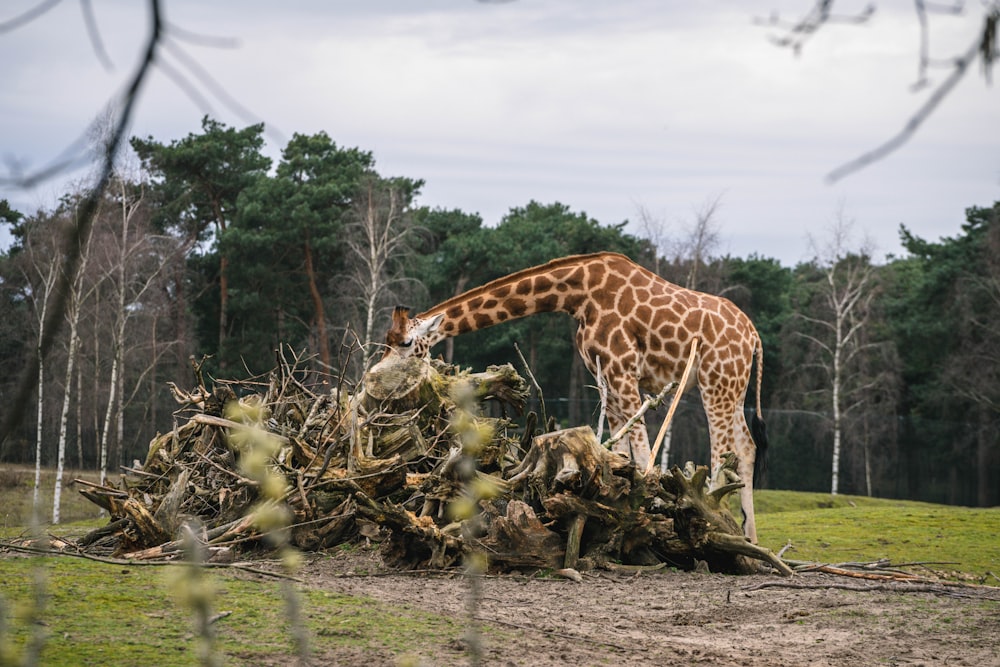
(423,458)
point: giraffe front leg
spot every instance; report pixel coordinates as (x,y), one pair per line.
(624,402)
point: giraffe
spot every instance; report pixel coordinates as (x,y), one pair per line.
(641,327)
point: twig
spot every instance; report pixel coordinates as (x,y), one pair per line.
(633,569)
(215,618)
(222,422)
(239,478)
(534,382)
(961,65)
(602,390)
(650,402)
(673,405)
(108,491)
(130,563)
(846,572)
(939,588)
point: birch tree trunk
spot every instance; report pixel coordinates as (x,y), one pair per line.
(107,420)
(38,426)
(835,411)
(48,284)
(74,315)
(378,235)
(120,397)
(73,306)
(847,299)
(665,450)
(79,416)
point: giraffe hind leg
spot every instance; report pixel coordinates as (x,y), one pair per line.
(749,463)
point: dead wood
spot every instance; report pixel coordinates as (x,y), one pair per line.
(390,462)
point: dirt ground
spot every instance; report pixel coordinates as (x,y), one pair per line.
(679,618)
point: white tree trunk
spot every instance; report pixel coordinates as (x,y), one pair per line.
(64,417)
(120,399)
(107,419)
(35,500)
(73,306)
(79,417)
(835,400)
(49,284)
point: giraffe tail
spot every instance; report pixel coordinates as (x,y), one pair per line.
(758,429)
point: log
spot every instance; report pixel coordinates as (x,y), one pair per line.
(572,459)
(573,537)
(398,384)
(167,514)
(519,540)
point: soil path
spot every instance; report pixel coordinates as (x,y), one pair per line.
(678,618)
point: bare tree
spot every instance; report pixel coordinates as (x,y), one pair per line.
(702,239)
(133,263)
(41,267)
(655,230)
(688,254)
(378,237)
(78,293)
(838,323)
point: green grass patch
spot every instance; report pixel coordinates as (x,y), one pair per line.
(852,528)
(17,484)
(768,501)
(100,614)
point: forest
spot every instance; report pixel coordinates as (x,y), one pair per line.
(880,377)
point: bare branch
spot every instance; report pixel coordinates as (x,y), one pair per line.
(983,48)
(94,34)
(88,210)
(216,89)
(912,125)
(797,32)
(28,16)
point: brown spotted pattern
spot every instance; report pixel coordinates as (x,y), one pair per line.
(639,325)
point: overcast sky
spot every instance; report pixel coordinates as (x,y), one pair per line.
(603,106)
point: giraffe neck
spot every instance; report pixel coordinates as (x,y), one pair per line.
(562,285)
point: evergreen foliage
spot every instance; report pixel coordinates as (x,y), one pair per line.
(271,256)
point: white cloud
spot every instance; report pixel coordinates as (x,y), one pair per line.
(599,105)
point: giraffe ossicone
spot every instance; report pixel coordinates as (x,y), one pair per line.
(640,329)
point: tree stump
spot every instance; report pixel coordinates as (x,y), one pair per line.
(610,512)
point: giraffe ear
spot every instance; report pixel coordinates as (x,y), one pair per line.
(429,326)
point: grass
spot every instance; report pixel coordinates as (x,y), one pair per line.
(17,485)
(100,614)
(832,529)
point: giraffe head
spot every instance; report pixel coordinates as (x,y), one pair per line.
(408,337)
